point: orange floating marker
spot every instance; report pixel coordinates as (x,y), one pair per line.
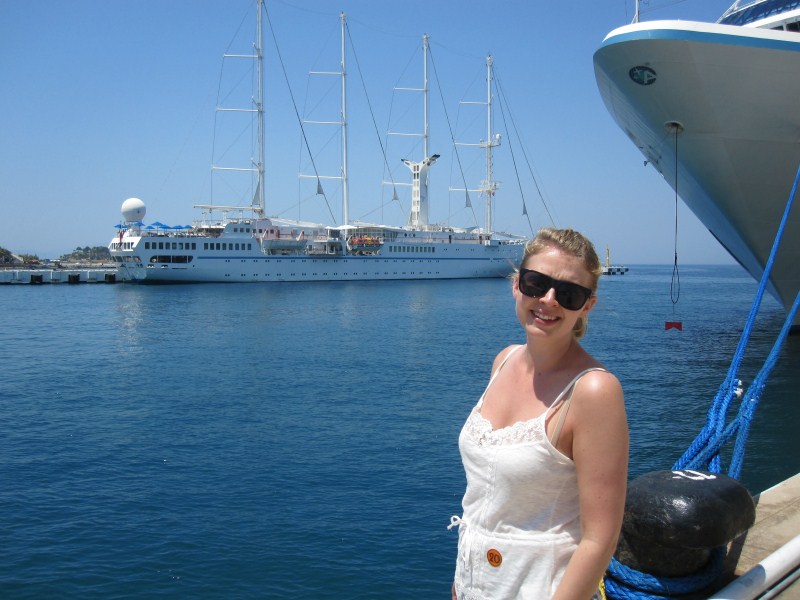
(673,325)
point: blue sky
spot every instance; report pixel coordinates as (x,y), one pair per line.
(108,99)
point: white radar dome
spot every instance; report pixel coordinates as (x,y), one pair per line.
(133,210)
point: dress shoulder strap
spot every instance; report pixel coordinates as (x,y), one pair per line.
(494,375)
(565,397)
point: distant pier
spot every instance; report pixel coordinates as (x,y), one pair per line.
(609,270)
(63,275)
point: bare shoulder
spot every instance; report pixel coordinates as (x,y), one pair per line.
(600,391)
(600,424)
(600,381)
(502,355)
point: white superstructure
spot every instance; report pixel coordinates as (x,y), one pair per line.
(714,108)
(251,247)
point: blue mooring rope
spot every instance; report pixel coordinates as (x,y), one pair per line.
(624,583)
(618,582)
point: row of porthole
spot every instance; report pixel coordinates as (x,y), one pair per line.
(400,249)
(337,274)
(386,260)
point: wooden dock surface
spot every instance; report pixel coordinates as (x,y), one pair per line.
(777,523)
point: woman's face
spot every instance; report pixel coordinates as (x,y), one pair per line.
(544,315)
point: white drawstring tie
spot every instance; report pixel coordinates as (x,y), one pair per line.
(465,549)
(456,521)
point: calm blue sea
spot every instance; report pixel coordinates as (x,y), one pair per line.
(300,440)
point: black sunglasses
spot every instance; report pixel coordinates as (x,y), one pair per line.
(569,295)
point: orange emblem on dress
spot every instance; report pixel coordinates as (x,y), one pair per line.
(494,557)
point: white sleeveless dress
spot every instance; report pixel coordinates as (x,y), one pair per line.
(520,522)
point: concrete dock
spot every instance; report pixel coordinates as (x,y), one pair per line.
(62,275)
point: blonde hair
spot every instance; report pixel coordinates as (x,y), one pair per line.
(575,244)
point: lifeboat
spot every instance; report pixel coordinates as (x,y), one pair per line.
(364,243)
(274,240)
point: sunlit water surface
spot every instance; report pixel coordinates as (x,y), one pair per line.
(300,440)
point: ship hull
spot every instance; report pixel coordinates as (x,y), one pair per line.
(247,262)
(732,91)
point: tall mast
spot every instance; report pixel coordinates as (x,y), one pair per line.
(345,198)
(425,94)
(342,124)
(489,185)
(260,59)
(418,218)
(256,166)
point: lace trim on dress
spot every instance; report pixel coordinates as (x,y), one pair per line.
(480,430)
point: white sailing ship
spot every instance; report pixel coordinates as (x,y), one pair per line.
(252,247)
(712,106)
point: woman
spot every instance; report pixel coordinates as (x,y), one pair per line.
(546,448)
